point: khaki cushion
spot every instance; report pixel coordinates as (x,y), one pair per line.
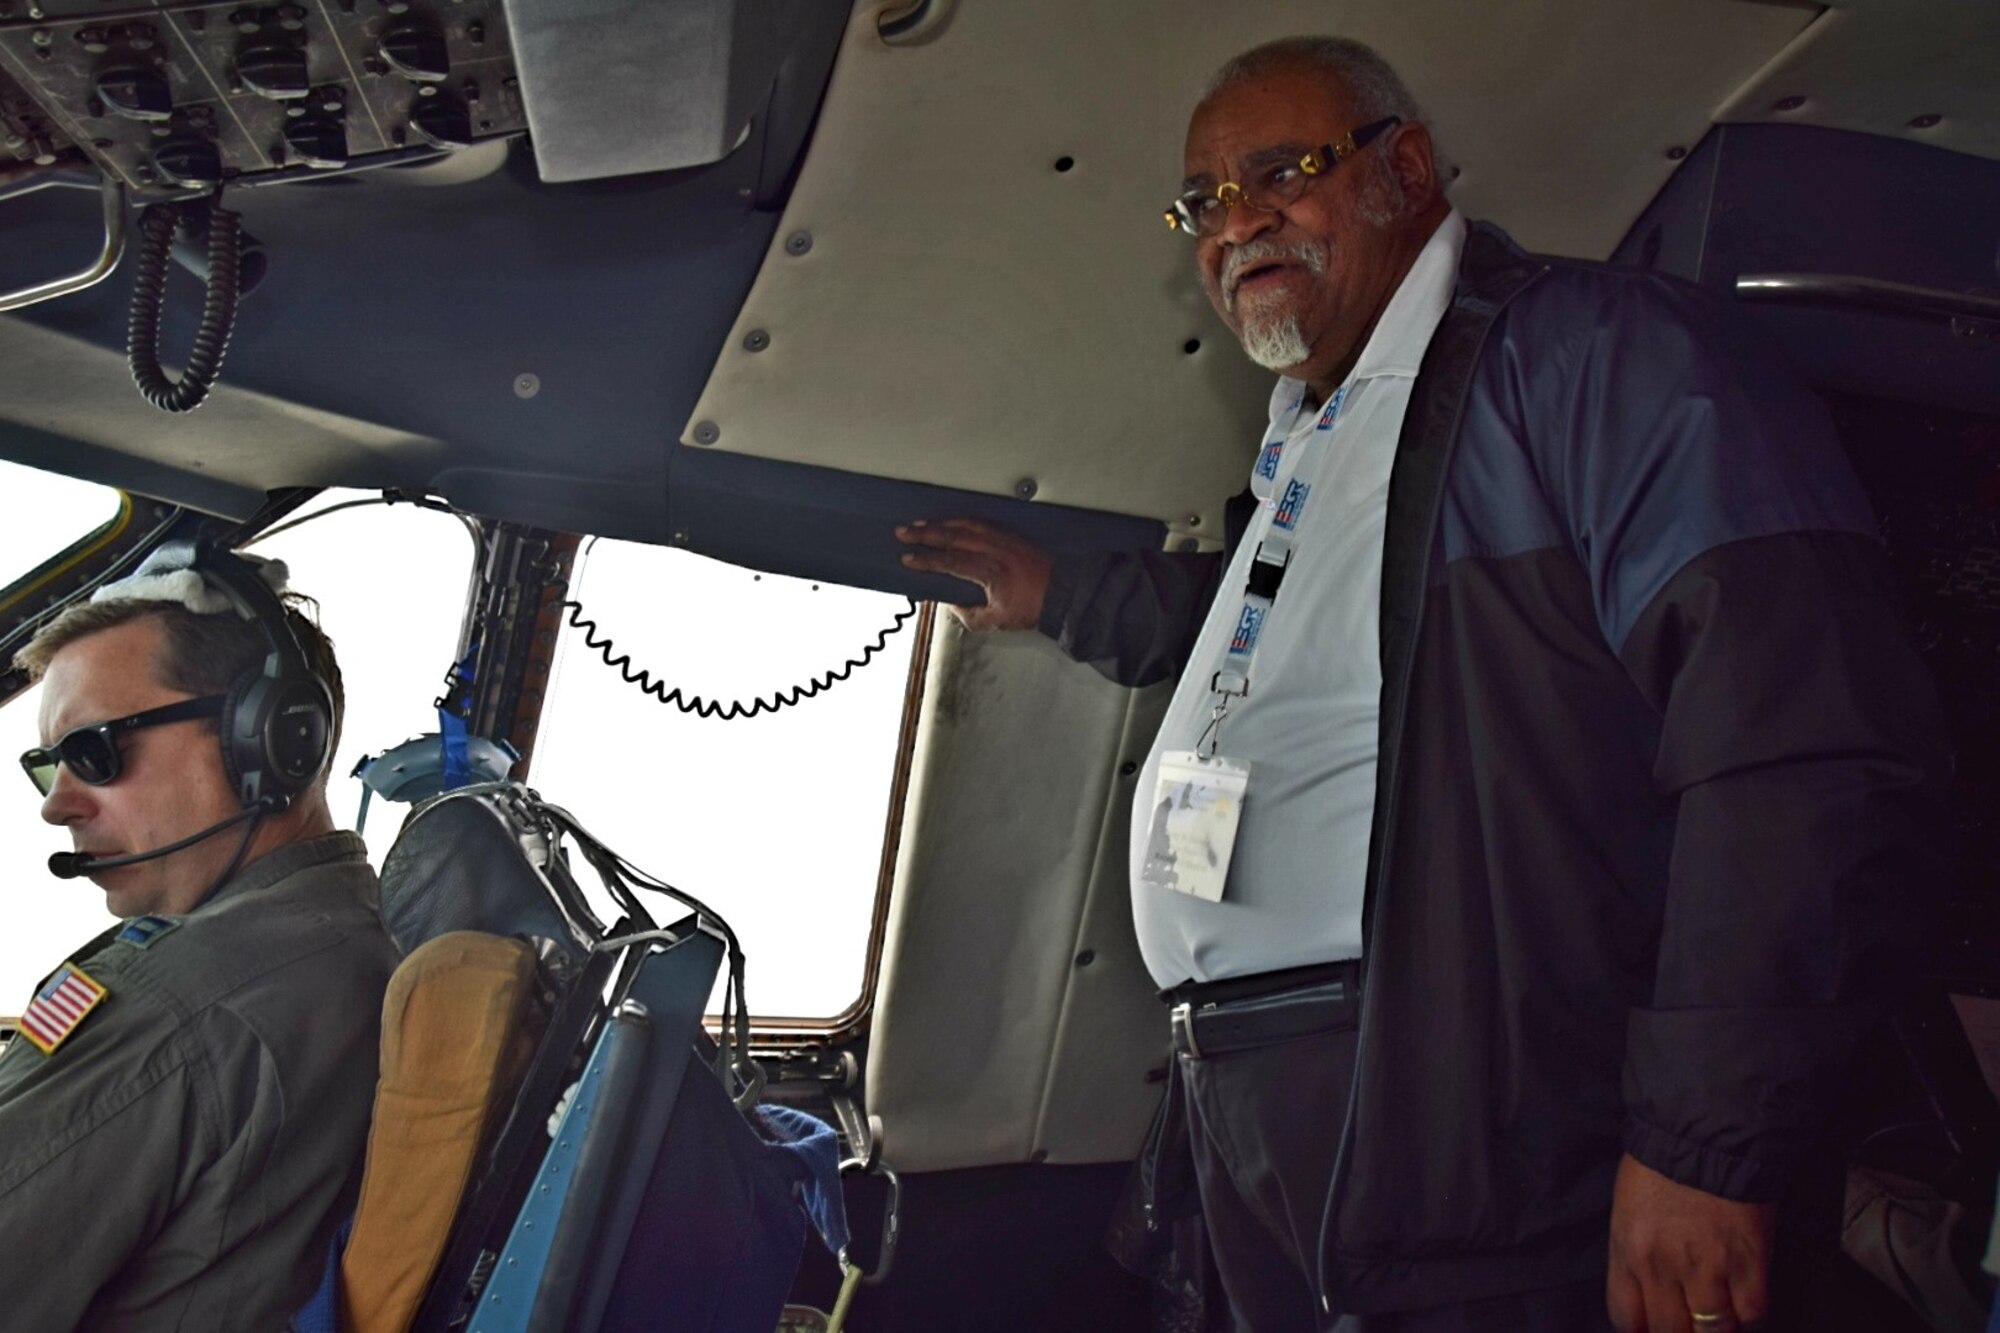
(454,1044)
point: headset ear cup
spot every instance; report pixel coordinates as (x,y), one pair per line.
(297,734)
(240,762)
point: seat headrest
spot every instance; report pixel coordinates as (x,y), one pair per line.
(479,859)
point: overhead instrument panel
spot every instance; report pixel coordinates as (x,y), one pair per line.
(178,99)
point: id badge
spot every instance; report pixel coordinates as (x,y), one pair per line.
(1196,807)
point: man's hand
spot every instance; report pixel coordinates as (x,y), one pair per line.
(1677,1252)
(1014,575)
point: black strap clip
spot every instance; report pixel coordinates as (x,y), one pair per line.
(1265,577)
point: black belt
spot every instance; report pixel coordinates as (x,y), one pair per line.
(1218,1017)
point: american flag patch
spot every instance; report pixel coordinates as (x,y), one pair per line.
(60,1007)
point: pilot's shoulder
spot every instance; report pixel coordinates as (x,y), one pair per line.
(251,945)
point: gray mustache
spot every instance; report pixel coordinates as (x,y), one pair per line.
(1258,252)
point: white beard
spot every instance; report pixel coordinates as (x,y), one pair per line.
(1275,344)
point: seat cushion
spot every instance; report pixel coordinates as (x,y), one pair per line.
(455,1038)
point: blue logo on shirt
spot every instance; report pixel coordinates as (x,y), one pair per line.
(1332,409)
(1289,508)
(1248,626)
(1267,462)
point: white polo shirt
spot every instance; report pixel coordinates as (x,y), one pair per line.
(1308,728)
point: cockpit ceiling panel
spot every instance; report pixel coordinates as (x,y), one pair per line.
(1923,70)
(972,285)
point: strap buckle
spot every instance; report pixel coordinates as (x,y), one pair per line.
(1182,1019)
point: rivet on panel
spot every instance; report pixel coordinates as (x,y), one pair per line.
(756,340)
(706,432)
(1191,346)
(1128,768)
(1193,520)
(1187,546)
(527,385)
(1086,958)
(798,243)
(1065,162)
(1676,153)
(1026,488)
(1925,121)
(1788,103)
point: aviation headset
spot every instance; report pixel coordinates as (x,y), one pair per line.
(277,718)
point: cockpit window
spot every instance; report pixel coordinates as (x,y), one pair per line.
(778,821)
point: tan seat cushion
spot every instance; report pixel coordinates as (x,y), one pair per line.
(454,1044)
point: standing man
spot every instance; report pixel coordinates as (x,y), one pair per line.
(1549,782)
(184,1109)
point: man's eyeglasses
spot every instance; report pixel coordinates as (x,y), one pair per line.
(1272,184)
(92,752)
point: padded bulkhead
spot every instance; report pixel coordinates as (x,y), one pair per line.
(1015,1021)
(973,286)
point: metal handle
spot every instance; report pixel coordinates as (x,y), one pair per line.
(114,244)
(1895,298)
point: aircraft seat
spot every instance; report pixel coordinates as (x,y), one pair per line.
(654,1194)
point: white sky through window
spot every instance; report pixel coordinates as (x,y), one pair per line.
(774,821)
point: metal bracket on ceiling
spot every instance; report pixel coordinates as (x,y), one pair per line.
(97,270)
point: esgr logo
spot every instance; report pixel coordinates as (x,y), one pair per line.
(1248,626)
(1267,462)
(1289,508)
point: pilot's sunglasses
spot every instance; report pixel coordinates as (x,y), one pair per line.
(1272,185)
(92,752)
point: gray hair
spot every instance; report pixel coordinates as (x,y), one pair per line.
(1359,71)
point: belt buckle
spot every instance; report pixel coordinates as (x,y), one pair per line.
(1183,1029)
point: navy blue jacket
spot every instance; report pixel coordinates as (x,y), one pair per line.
(1656,806)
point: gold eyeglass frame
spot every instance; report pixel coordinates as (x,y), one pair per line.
(1320,161)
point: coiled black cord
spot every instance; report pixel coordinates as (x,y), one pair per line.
(218,315)
(735,708)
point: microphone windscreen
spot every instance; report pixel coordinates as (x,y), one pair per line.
(68,865)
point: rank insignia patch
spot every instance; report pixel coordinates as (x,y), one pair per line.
(60,1007)
(141,931)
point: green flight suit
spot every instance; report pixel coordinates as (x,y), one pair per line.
(179,1160)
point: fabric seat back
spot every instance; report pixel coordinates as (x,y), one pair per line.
(458,1028)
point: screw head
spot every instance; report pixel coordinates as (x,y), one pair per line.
(1676,153)
(1086,958)
(1128,768)
(1925,121)
(1188,546)
(756,340)
(41,37)
(1026,488)
(527,384)
(707,432)
(798,243)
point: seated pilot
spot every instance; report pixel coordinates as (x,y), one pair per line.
(184,1108)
